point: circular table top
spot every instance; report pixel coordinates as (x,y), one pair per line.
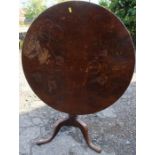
(78,57)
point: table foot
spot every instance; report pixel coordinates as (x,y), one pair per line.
(71,121)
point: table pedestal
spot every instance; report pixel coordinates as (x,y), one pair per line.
(71,121)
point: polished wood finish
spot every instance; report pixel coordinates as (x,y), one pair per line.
(71,121)
(78,57)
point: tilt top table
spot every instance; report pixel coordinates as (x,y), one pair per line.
(79,59)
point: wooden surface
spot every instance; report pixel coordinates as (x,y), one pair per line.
(78,57)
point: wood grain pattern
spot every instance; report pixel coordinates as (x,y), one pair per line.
(78,57)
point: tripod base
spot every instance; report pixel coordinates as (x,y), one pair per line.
(71,121)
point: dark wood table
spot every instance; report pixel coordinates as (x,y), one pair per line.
(78,58)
